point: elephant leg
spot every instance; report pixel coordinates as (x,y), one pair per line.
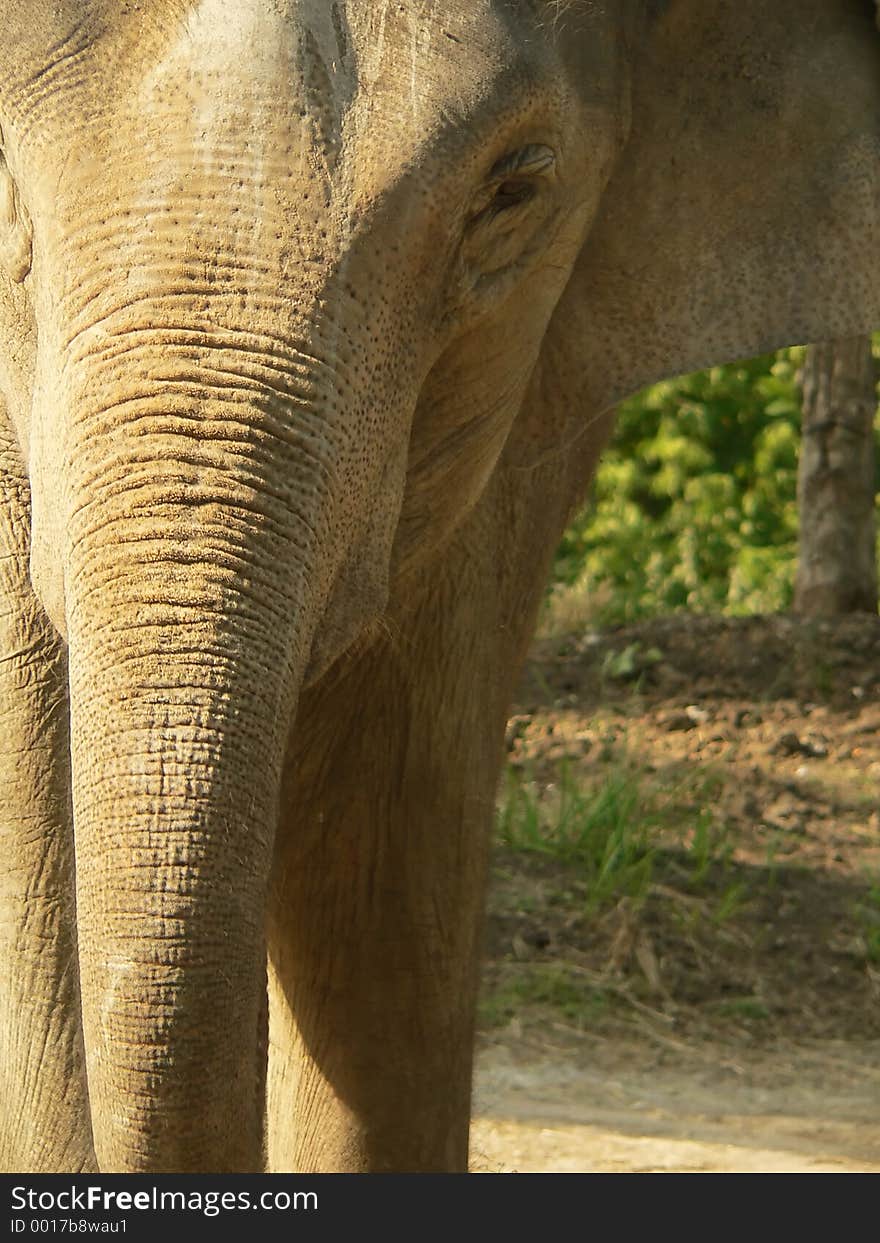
(376,919)
(375,924)
(44,1118)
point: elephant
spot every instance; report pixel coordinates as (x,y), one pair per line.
(313,317)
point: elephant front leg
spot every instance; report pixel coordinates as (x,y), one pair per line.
(44,1120)
(377,914)
(371,1036)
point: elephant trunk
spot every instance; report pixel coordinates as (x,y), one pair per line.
(187,645)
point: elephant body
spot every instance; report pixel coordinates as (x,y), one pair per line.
(312,317)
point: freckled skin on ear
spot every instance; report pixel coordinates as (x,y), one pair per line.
(311,317)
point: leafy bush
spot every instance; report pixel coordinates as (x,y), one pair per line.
(694,504)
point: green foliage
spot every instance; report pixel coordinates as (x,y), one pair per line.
(603,832)
(694,504)
(867,914)
(607,829)
(743,1008)
(708,846)
(630,663)
(543,984)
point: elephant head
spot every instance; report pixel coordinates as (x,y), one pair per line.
(247,237)
(277,278)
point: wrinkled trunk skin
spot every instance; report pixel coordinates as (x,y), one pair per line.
(837,559)
(186,647)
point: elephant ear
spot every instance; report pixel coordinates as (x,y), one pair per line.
(740,215)
(15,227)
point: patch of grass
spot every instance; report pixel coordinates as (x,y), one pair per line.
(771,858)
(867,916)
(742,1008)
(611,831)
(709,845)
(823,678)
(629,663)
(542,985)
(625,833)
(731,902)
(602,832)
(571,609)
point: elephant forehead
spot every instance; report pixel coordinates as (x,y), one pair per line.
(387,75)
(254,49)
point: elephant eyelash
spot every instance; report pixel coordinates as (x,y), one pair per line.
(507,196)
(513,181)
(530,161)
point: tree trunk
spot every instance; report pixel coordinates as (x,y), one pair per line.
(837,563)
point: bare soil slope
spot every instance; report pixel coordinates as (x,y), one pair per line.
(726,1017)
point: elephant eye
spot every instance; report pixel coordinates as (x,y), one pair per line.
(513,181)
(509,224)
(511,193)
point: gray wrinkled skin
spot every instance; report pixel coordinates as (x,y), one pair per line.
(311,315)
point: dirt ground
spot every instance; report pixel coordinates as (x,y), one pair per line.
(727,1018)
(635,1108)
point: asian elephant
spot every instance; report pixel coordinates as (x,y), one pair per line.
(311,317)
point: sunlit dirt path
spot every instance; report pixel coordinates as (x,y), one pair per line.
(813,1110)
